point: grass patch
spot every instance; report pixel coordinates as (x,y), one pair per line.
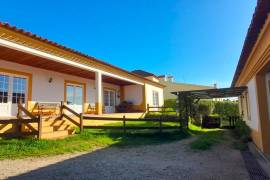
(206,137)
(144,124)
(86,141)
(241,133)
(20,148)
(92,139)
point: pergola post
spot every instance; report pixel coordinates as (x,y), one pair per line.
(183,113)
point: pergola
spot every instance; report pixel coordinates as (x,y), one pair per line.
(193,96)
(212,93)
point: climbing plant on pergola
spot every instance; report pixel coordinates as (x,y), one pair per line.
(187,100)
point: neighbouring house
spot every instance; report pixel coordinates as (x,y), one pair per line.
(253,71)
(35,70)
(170,85)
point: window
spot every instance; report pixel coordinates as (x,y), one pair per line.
(70,94)
(74,95)
(106,98)
(112,98)
(246,105)
(19,90)
(155,99)
(4,81)
(109,98)
(78,95)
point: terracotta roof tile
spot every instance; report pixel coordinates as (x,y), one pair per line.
(258,20)
(39,38)
(143,73)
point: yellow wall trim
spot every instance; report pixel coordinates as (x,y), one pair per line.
(258,58)
(20,73)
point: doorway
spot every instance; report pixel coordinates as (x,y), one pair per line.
(109,100)
(75,96)
(13,88)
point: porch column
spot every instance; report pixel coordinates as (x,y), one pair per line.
(98,92)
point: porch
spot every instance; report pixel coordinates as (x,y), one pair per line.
(41,81)
(54,125)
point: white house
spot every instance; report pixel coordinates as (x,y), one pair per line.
(35,70)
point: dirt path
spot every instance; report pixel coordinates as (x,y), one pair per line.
(166,161)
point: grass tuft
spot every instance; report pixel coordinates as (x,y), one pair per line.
(206,137)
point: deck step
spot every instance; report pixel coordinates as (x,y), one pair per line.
(56,122)
(47,129)
(62,127)
(57,134)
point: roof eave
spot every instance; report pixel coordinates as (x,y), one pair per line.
(44,40)
(258,20)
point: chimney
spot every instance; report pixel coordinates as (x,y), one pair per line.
(162,77)
(170,78)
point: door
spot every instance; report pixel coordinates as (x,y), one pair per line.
(155,100)
(12,89)
(109,101)
(74,97)
(5,103)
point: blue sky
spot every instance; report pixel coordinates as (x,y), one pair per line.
(196,41)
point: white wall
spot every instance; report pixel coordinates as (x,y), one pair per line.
(252,116)
(149,94)
(134,94)
(42,90)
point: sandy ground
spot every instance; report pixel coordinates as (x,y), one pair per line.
(167,161)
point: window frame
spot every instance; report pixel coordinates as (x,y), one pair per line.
(155,96)
(110,92)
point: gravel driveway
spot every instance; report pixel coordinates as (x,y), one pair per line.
(167,161)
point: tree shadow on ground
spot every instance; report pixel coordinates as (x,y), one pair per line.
(111,162)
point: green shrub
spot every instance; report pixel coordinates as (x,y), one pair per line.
(242,131)
(204,109)
(170,103)
(226,108)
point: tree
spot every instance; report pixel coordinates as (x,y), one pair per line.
(226,108)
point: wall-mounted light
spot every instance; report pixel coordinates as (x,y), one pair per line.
(50,80)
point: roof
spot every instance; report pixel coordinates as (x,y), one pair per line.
(213,93)
(44,40)
(175,86)
(258,20)
(185,86)
(143,73)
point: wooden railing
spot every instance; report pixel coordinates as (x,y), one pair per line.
(123,119)
(36,119)
(74,113)
(160,109)
(17,123)
(46,108)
